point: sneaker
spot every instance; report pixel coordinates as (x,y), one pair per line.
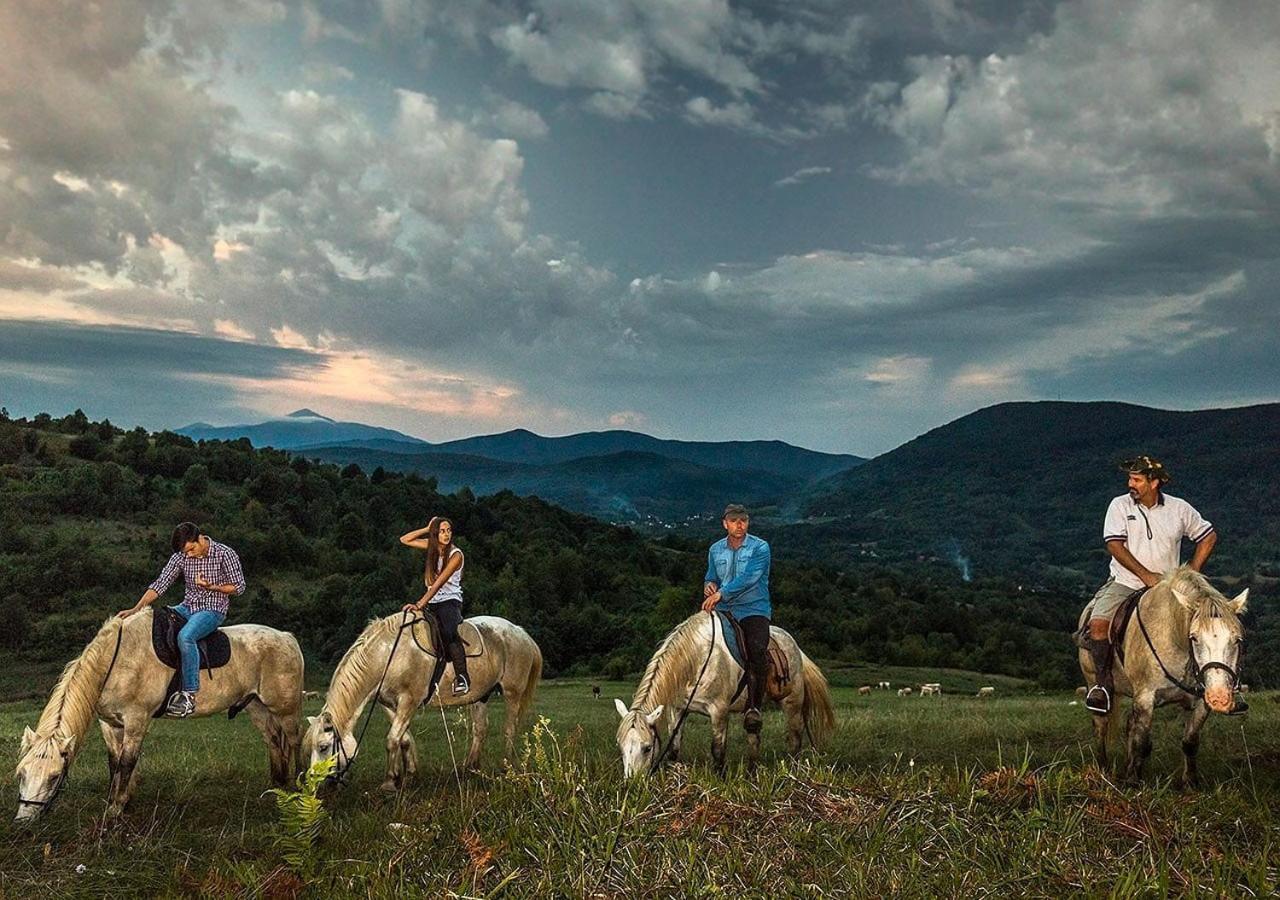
(181,705)
(751,721)
(461,685)
(1098,700)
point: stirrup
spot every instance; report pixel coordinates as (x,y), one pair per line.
(1095,705)
(460,685)
(751,721)
(181,705)
(1241,708)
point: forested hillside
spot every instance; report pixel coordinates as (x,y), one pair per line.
(86,510)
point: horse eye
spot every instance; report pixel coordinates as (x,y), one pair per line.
(646,748)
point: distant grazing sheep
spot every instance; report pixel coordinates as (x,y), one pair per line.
(865,690)
(904,692)
(986,691)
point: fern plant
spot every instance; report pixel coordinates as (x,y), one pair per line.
(302,817)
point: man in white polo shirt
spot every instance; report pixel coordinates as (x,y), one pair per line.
(1143,532)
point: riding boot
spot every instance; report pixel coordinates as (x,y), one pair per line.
(458,656)
(1099,698)
(756,676)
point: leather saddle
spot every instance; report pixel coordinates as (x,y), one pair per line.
(1119,623)
(779,675)
(215,649)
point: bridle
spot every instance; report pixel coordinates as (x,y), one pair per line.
(1197,689)
(57,788)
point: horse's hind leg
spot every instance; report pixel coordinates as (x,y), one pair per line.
(480,728)
(281,753)
(1191,743)
(409,752)
(1139,745)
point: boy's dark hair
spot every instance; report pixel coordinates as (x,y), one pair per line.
(185,533)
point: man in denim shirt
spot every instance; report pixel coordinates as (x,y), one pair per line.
(737,582)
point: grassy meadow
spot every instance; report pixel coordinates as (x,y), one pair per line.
(914,797)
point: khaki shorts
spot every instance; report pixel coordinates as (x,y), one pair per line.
(1108,599)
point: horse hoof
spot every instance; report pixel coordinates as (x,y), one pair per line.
(389,787)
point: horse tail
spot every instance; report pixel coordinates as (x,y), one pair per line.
(531,682)
(819,713)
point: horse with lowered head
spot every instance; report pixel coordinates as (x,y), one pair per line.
(119,680)
(676,676)
(1181,646)
(395,659)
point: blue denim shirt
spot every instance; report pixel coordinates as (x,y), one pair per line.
(742,576)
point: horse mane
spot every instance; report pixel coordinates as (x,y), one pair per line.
(70,709)
(677,657)
(357,668)
(1207,601)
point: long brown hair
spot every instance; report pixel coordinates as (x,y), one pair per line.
(434,563)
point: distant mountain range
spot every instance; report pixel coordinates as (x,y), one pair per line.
(301,428)
(1022,487)
(615,475)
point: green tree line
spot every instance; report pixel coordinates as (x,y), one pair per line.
(86,509)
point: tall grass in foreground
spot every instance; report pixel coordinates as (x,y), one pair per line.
(915,797)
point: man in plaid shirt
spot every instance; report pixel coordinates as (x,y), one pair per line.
(210,574)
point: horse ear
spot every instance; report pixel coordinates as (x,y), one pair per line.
(66,742)
(620,707)
(28,738)
(311,720)
(1241,601)
(653,716)
(1183,599)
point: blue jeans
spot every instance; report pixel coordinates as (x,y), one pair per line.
(200,623)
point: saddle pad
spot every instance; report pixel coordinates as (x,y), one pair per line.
(215,650)
(472,642)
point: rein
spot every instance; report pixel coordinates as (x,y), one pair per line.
(1197,689)
(345,761)
(684,713)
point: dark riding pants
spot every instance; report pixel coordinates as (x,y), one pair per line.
(755,633)
(448,614)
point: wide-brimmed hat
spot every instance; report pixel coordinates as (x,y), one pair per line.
(1146,465)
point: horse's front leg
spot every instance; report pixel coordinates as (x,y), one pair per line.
(480,728)
(1139,745)
(113,737)
(719,736)
(401,717)
(126,776)
(1191,743)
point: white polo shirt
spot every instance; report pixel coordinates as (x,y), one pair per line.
(1154,536)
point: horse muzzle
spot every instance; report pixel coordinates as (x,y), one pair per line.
(1220,698)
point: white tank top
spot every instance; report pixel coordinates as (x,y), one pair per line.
(451,589)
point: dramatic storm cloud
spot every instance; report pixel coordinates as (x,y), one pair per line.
(704,219)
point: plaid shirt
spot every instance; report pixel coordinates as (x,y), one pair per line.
(219,566)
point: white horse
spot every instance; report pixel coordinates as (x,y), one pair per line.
(671,677)
(508,662)
(1193,633)
(118,679)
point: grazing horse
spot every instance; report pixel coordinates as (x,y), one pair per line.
(509,662)
(119,679)
(1181,646)
(672,678)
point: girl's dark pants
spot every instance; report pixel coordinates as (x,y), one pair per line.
(449,615)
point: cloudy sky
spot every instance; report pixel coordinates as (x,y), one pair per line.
(832,223)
